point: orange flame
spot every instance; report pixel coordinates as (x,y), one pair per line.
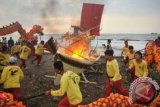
(77,50)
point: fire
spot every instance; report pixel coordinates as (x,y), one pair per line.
(78,49)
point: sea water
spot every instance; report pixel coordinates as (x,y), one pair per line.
(117,41)
(138,41)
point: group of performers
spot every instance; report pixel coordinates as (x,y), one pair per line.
(12,74)
(11,71)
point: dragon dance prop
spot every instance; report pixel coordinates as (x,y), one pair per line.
(156,102)
(7,100)
(152,54)
(26,36)
(118,100)
(16,26)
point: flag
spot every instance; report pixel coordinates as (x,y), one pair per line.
(91,17)
(50,45)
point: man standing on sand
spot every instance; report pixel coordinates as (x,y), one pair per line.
(69,84)
(10,43)
(114,81)
(109,47)
(125,49)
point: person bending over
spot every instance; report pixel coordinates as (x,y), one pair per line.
(69,84)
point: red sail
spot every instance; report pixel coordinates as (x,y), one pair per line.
(91,17)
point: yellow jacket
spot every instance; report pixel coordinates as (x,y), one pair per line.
(11,77)
(25,52)
(15,49)
(130,56)
(125,50)
(69,84)
(141,69)
(4,60)
(40,49)
(112,68)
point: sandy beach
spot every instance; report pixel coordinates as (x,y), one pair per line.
(36,83)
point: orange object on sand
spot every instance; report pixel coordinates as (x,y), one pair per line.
(7,100)
(114,100)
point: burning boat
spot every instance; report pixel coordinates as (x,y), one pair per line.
(75,48)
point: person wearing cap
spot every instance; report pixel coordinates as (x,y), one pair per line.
(39,51)
(114,81)
(11,77)
(69,84)
(138,66)
(4,58)
(25,52)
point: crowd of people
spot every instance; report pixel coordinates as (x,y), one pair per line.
(135,64)
(12,74)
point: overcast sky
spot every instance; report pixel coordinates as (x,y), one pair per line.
(56,16)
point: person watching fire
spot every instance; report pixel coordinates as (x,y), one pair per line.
(125,50)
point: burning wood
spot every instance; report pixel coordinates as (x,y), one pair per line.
(80,50)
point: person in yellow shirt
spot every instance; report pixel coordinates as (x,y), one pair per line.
(11,77)
(4,58)
(69,84)
(25,52)
(39,51)
(15,50)
(129,58)
(139,66)
(130,55)
(114,81)
(125,49)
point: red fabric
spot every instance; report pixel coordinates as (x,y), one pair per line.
(15,91)
(23,64)
(38,58)
(65,103)
(117,86)
(91,17)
